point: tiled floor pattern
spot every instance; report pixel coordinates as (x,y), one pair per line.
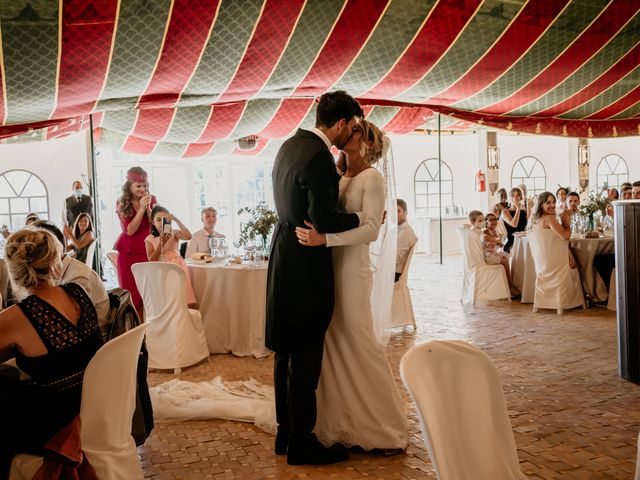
(572,415)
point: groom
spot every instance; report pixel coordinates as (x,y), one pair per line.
(300,292)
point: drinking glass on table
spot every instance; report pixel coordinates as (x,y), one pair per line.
(222,246)
(214,244)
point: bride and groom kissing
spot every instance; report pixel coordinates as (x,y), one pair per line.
(333,385)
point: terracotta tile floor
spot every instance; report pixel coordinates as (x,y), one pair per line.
(572,415)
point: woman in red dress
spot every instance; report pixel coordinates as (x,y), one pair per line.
(134,211)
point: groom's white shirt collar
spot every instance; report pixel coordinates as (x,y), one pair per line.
(321,134)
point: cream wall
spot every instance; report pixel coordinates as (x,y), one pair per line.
(58,163)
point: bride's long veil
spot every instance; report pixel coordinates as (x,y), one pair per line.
(383,251)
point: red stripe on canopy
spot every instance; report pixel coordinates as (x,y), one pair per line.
(153,124)
(186,37)
(532,21)
(445,22)
(408,119)
(290,114)
(265,48)
(629,100)
(617,72)
(138,145)
(198,149)
(222,121)
(349,34)
(87,32)
(262,142)
(601,31)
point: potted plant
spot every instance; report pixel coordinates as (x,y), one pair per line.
(261,222)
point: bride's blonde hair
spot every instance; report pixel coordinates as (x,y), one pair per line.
(373,142)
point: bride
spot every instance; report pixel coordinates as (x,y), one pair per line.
(358,402)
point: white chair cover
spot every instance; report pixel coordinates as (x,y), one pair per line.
(612,302)
(91,251)
(480,281)
(175,333)
(637,475)
(463,415)
(558,286)
(402,307)
(106,410)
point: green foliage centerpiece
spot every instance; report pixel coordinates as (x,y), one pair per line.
(596,203)
(261,222)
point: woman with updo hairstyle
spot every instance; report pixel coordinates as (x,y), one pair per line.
(369,396)
(134,211)
(52,333)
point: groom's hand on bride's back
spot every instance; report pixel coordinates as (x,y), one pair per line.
(309,237)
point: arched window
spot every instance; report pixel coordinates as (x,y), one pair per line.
(21,193)
(427,188)
(612,171)
(529,171)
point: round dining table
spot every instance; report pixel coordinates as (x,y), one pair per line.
(232,301)
(523,271)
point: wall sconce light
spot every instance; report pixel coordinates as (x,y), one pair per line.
(493,161)
(584,159)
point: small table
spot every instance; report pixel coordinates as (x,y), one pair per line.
(523,271)
(232,302)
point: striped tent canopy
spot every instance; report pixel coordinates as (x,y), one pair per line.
(187,78)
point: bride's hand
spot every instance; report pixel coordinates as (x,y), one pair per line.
(310,237)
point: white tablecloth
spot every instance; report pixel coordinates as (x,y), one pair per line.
(523,271)
(231,299)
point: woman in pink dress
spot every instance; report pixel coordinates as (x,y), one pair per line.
(162,245)
(134,211)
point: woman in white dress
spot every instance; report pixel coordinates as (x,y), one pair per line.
(358,401)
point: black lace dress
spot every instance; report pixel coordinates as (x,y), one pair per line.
(521,227)
(32,412)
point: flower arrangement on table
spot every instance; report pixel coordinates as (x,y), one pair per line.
(261,223)
(596,203)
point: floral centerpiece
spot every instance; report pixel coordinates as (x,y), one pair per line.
(596,203)
(261,222)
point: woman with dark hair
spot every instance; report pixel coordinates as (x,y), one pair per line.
(514,218)
(134,211)
(80,237)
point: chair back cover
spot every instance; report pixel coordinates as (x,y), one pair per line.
(405,270)
(557,285)
(462,411)
(175,334)
(108,402)
(402,308)
(91,251)
(472,254)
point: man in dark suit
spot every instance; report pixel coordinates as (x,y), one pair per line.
(76,204)
(300,284)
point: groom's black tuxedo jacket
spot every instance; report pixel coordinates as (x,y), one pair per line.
(300,281)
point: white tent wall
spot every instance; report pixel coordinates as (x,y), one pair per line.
(58,163)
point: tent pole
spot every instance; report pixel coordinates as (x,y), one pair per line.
(91,167)
(440,186)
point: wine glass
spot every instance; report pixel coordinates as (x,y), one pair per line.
(222,245)
(214,243)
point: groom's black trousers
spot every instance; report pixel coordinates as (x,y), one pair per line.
(296,376)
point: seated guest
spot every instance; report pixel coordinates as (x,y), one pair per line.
(200,241)
(32,217)
(544,217)
(561,204)
(80,237)
(476,219)
(625,184)
(635,190)
(492,247)
(573,200)
(162,244)
(75,271)
(613,194)
(515,219)
(406,238)
(627,192)
(502,196)
(500,228)
(53,334)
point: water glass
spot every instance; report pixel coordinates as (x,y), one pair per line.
(214,243)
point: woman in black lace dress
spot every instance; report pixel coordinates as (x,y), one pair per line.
(53,334)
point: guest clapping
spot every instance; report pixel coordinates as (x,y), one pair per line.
(80,237)
(162,243)
(544,217)
(199,243)
(53,334)
(635,190)
(515,219)
(561,203)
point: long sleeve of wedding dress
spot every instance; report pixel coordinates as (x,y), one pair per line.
(373,198)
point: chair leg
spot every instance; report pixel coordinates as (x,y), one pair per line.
(560,311)
(535,309)
(509,299)
(177,371)
(584,306)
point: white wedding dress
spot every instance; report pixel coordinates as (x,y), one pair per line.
(358,400)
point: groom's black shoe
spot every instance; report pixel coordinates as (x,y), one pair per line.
(282,440)
(311,452)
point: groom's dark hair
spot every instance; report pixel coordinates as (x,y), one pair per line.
(336,105)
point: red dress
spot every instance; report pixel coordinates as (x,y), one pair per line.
(131,250)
